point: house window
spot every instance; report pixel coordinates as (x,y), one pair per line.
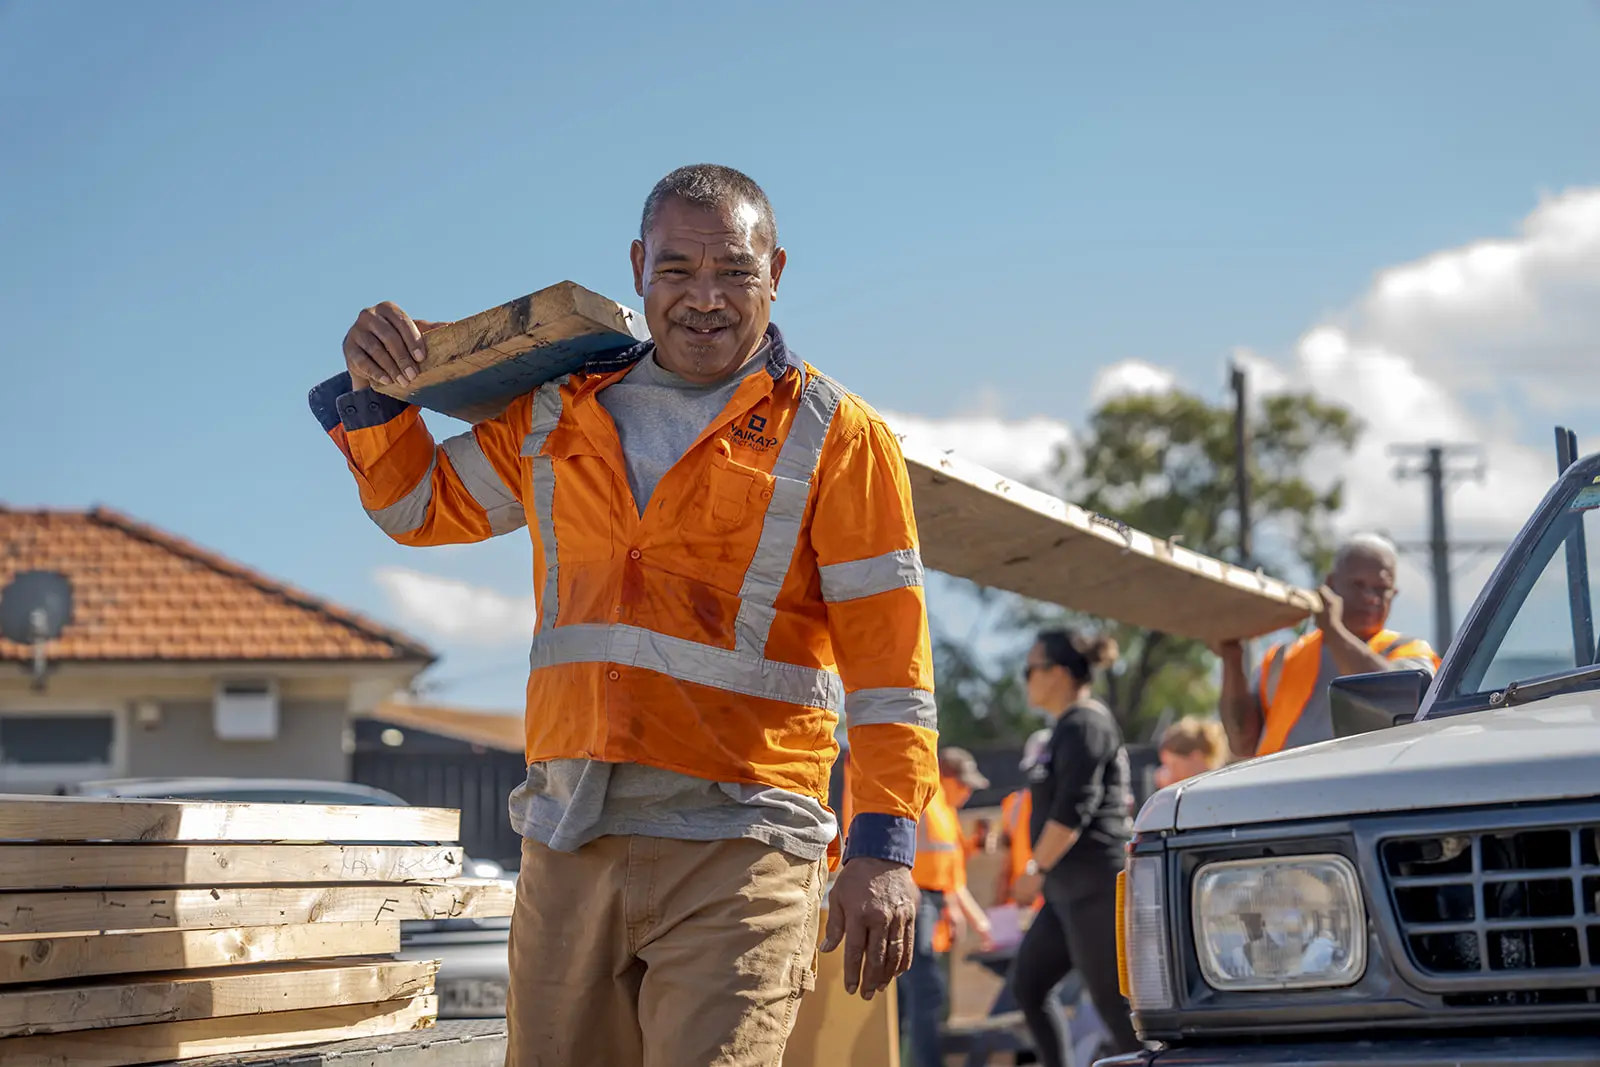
(47,748)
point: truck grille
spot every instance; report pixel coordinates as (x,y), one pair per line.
(1522,905)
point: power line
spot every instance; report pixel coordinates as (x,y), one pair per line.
(1432,463)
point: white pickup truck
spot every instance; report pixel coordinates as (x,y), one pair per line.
(1422,891)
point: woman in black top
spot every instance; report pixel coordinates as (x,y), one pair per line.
(1080,827)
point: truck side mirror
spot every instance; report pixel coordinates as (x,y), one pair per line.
(1362,703)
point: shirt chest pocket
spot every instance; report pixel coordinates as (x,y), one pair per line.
(574,493)
(736,496)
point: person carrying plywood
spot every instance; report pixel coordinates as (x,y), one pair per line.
(726,559)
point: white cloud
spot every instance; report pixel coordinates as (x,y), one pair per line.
(1130,377)
(456,610)
(1024,449)
(1516,315)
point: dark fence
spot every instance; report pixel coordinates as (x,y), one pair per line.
(440,772)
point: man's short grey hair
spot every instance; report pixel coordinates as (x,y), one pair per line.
(710,185)
(1366,546)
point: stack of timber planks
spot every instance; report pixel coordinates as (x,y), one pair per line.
(973,523)
(138,931)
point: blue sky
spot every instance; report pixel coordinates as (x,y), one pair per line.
(984,211)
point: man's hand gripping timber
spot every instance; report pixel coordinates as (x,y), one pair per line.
(872,910)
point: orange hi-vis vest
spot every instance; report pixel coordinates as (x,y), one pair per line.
(773,583)
(1289,676)
(941,865)
(1016,813)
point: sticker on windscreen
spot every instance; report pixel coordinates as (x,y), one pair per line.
(1587,498)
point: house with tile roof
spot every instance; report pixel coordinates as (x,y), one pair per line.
(176,661)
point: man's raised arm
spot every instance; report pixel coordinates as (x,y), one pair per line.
(467,489)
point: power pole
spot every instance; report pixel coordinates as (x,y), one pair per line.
(1241,459)
(1432,463)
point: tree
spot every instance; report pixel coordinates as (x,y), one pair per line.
(1164,463)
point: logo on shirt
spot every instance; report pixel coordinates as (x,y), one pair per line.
(751,437)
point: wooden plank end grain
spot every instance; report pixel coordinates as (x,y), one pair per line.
(86,956)
(62,819)
(186,995)
(129,1046)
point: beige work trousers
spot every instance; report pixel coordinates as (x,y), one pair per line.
(650,952)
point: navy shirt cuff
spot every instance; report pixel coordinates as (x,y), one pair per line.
(333,403)
(882,837)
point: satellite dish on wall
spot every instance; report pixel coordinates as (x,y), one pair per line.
(35,606)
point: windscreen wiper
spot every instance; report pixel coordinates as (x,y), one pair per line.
(1525,692)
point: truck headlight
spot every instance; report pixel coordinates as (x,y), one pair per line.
(1294,922)
(1142,935)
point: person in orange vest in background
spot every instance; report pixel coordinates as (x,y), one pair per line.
(1288,705)
(945,907)
(1016,812)
(1189,747)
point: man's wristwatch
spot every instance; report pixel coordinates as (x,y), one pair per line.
(1033,868)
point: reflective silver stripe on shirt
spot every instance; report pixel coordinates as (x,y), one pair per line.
(483,484)
(868,577)
(1274,672)
(687,661)
(411,510)
(794,471)
(926,843)
(546,416)
(914,707)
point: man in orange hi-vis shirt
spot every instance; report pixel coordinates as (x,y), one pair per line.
(726,561)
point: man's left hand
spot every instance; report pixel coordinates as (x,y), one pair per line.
(872,911)
(1331,618)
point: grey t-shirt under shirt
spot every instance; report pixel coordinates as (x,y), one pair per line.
(567,803)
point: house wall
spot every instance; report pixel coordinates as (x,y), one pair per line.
(310,744)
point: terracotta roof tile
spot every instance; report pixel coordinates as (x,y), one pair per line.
(140,593)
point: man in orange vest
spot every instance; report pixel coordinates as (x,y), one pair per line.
(945,905)
(1288,705)
(726,561)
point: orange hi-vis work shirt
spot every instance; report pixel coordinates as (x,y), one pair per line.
(1290,678)
(941,865)
(773,582)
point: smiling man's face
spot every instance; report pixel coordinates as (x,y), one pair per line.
(708,277)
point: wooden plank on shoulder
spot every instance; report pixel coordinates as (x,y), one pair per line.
(92,866)
(53,959)
(44,819)
(160,1042)
(199,909)
(175,997)
(475,366)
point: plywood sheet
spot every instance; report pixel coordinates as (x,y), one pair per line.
(996,532)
